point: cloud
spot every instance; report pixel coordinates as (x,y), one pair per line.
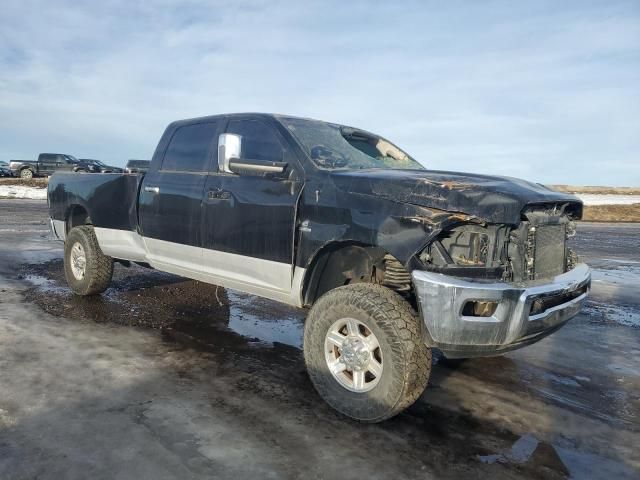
(547,91)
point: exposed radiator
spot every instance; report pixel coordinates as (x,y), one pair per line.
(550,250)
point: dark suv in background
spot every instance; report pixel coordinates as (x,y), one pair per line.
(97,166)
(136,166)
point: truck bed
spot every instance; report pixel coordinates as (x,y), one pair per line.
(110,197)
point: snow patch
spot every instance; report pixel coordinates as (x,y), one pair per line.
(18,191)
(607,199)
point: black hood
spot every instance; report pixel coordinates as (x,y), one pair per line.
(493,199)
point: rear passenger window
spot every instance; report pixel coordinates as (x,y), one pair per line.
(259,141)
(188,150)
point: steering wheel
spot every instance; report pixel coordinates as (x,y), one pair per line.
(325,157)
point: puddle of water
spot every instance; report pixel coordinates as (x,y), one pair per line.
(570,382)
(622,275)
(561,399)
(287,329)
(567,461)
(619,260)
(522,449)
(43,283)
(587,465)
(623,369)
(626,315)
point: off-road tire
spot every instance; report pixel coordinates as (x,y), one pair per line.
(98,269)
(406,358)
(26,174)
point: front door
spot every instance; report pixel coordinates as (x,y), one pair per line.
(249,219)
(65,164)
(47,163)
(170,202)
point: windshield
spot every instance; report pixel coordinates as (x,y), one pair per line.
(71,158)
(334,146)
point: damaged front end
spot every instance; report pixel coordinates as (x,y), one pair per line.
(488,288)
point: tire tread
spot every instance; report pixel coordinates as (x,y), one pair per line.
(398,319)
(99,269)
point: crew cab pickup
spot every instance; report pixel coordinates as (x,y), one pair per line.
(47,164)
(393,259)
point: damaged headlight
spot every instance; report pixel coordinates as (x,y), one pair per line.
(465,245)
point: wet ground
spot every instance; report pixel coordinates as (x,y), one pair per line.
(162,377)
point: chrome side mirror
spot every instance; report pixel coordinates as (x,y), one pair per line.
(229,149)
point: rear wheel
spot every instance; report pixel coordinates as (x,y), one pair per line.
(87,269)
(26,173)
(365,353)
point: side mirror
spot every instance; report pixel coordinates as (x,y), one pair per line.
(230,158)
(229,148)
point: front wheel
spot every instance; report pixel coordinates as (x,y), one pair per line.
(365,353)
(87,269)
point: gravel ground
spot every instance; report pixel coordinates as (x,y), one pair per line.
(162,377)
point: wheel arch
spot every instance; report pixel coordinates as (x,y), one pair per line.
(342,263)
(75,216)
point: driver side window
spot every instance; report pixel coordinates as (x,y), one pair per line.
(259,141)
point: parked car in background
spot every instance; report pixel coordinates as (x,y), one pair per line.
(5,171)
(46,164)
(98,166)
(393,259)
(137,166)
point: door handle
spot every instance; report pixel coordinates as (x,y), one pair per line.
(218,194)
(152,189)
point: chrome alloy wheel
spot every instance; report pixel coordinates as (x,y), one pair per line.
(78,261)
(353,355)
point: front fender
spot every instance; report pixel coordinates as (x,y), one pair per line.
(400,229)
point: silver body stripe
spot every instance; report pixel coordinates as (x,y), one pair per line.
(274,280)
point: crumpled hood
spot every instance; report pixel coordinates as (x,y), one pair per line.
(493,199)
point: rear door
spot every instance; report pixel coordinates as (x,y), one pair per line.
(248,223)
(170,200)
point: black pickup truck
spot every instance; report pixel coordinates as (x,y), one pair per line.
(393,259)
(48,163)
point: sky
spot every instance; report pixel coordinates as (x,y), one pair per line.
(547,91)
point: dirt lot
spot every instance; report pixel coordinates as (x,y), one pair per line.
(597,190)
(612,213)
(606,213)
(32,182)
(161,377)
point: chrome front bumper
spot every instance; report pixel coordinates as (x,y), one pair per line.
(442,299)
